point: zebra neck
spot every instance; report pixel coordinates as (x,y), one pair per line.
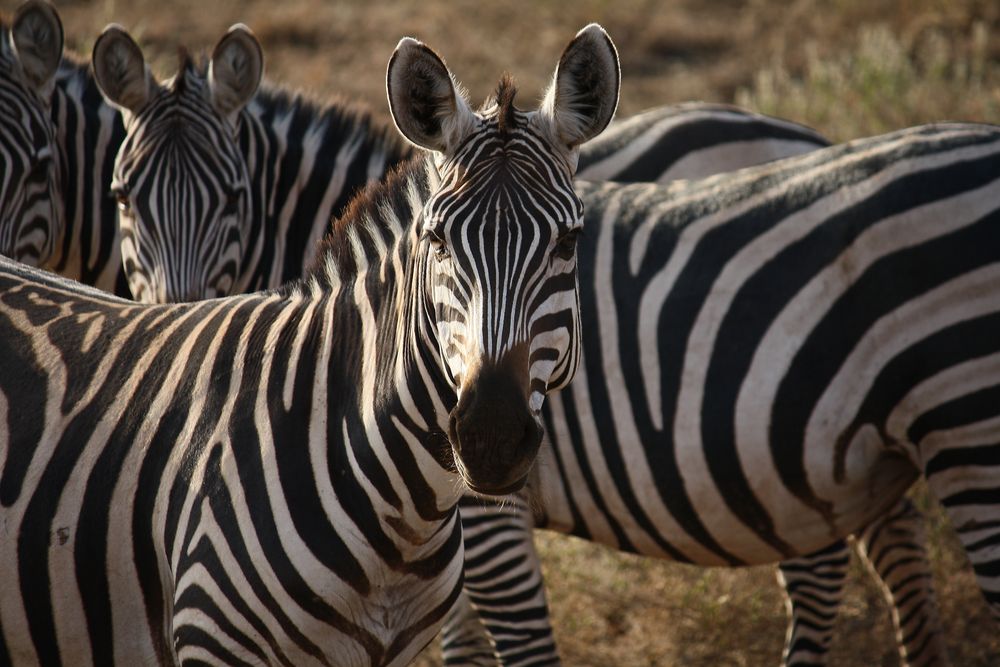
(374,259)
(89,132)
(305,164)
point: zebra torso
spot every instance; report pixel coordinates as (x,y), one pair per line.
(215,504)
(771,325)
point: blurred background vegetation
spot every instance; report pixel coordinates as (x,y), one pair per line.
(849,68)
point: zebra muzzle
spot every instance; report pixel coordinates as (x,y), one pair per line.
(494,435)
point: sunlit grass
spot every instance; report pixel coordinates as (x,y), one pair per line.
(880,84)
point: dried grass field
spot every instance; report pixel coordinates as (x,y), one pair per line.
(847,67)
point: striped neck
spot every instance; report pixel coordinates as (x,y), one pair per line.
(368,259)
(89,133)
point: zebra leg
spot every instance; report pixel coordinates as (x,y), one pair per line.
(464,640)
(972,502)
(814,586)
(503,580)
(894,549)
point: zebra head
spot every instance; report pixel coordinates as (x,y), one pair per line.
(184,198)
(31,210)
(499,236)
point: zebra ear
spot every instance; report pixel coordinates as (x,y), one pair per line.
(426,105)
(37,39)
(235,71)
(120,70)
(583,95)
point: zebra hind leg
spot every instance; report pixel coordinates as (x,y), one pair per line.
(894,549)
(814,586)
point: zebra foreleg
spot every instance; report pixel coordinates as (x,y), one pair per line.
(464,640)
(503,581)
(814,587)
(894,549)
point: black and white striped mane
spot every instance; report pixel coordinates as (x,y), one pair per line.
(369,218)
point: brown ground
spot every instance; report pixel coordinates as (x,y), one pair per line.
(817,61)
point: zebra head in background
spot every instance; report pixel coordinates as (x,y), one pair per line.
(31,210)
(499,235)
(184,196)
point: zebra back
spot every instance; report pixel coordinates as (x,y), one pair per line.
(690,141)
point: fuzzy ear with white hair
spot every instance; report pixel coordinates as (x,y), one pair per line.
(583,95)
(235,71)
(36,37)
(426,105)
(120,70)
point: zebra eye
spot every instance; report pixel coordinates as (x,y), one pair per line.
(566,244)
(441,251)
(124,203)
(232,202)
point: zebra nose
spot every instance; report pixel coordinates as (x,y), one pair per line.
(494,435)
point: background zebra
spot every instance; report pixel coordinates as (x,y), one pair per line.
(283,166)
(844,295)
(707,135)
(502,572)
(286,494)
(31,210)
(73,230)
(278,167)
(89,132)
(691,140)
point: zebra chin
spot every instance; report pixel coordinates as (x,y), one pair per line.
(494,434)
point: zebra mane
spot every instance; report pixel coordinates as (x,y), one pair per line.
(375,218)
(504,101)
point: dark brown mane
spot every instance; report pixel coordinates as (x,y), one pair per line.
(506,90)
(391,191)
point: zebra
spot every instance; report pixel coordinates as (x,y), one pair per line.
(274,477)
(89,133)
(30,206)
(708,134)
(75,235)
(782,351)
(281,167)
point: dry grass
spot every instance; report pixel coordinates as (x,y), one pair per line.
(849,67)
